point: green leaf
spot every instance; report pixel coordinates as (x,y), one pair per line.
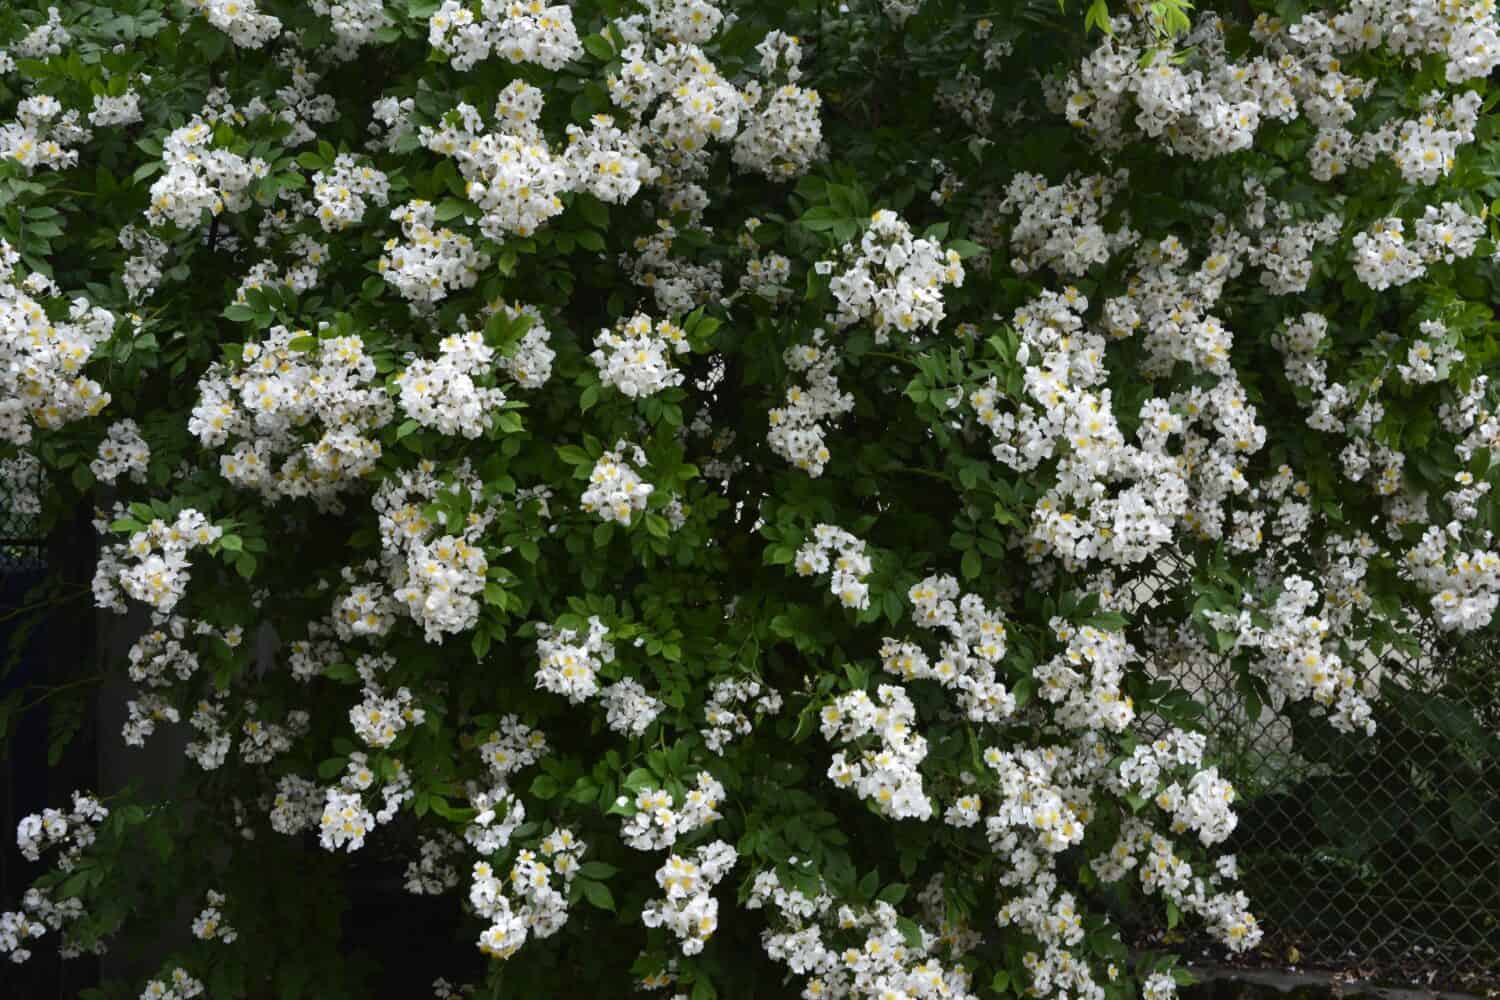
(598,894)
(545,787)
(599,47)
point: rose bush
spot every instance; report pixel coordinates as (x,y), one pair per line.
(691,468)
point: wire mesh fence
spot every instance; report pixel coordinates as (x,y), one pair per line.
(1372,853)
(22,547)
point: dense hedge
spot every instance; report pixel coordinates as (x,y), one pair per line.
(688,469)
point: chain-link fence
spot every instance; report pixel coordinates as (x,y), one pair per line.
(21,541)
(1378,855)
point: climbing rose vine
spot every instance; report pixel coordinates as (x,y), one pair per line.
(724,490)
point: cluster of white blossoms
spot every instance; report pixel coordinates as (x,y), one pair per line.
(635,357)
(499,813)
(438,579)
(158,568)
(343,192)
(165,654)
(783,138)
(608,162)
(46,39)
(511,174)
(262,741)
(16,928)
(1210,106)
(1284,251)
(658,821)
(72,833)
(629,710)
(444,394)
(517,178)
(1463,31)
(271,406)
(1039,798)
(432,872)
(616,490)
(145,712)
(521,31)
(123,109)
(767,276)
(724,715)
(1465,588)
(355,23)
(1080,518)
(296,805)
(345,818)
(1061,225)
(966,664)
(1332,409)
(210,925)
(888,773)
(42,134)
(180,985)
(1046,799)
(241,20)
(572,670)
(678,283)
(40,913)
(1383,256)
(536,906)
(1295,659)
(689,909)
(696,104)
(1426,146)
(123,452)
(1431,356)
(530,363)
(432,262)
(569,664)
(880,959)
(776,131)
(200,178)
(41,359)
(379,718)
(834,550)
(1163,871)
(797,432)
(1084,680)
(894,280)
